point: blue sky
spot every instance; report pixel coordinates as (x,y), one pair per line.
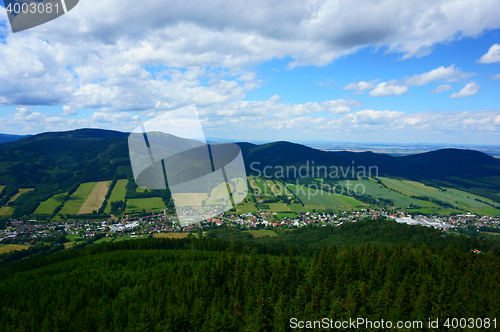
(358,71)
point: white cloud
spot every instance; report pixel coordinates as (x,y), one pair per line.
(496,77)
(441,88)
(385,89)
(470,89)
(359,86)
(395,87)
(68,110)
(431,76)
(493,55)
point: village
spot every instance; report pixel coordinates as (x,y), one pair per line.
(32,232)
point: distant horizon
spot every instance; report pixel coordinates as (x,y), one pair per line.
(304,142)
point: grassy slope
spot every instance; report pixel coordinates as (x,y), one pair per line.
(75,201)
(118,193)
(49,205)
(137,204)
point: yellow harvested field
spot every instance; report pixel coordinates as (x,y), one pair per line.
(171,235)
(12,247)
(96,197)
(189,199)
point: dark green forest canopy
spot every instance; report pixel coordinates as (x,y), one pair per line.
(208,284)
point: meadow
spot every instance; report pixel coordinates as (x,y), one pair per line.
(118,193)
(6,210)
(75,201)
(376,190)
(137,204)
(11,247)
(261,233)
(49,205)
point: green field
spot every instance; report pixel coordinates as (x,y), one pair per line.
(278,207)
(75,201)
(245,208)
(261,232)
(6,210)
(263,189)
(280,216)
(297,208)
(73,237)
(374,189)
(49,205)
(325,199)
(118,193)
(12,247)
(283,188)
(457,198)
(137,204)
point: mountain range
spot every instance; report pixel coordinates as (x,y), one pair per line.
(61,159)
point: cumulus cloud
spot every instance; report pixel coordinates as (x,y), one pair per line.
(496,77)
(493,55)
(441,88)
(360,86)
(434,75)
(384,89)
(68,110)
(470,89)
(395,87)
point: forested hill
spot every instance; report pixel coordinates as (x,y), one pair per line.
(55,161)
(10,138)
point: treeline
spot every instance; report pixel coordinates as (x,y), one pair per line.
(433,200)
(140,286)
(380,232)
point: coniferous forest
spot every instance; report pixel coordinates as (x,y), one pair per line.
(209,284)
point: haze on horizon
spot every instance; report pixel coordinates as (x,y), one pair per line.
(337,71)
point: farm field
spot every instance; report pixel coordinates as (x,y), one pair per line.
(325,199)
(219,195)
(318,208)
(12,247)
(286,215)
(263,189)
(21,191)
(274,189)
(49,205)
(118,193)
(75,201)
(297,208)
(185,199)
(261,232)
(129,237)
(170,235)
(457,198)
(6,210)
(137,204)
(278,207)
(377,191)
(96,197)
(246,208)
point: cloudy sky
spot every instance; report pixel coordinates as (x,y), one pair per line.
(413,71)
